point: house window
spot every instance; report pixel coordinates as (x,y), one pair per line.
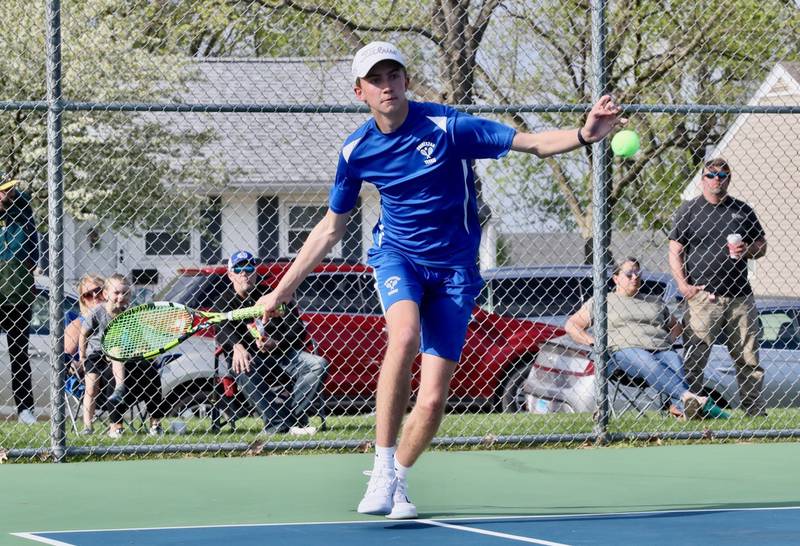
(164,243)
(211,232)
(302,219)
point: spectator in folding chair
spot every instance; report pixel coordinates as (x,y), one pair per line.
(144,378)
(641,331)
(90,295)
(266,357)
(142,384)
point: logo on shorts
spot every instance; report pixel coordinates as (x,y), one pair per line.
(426,149)
(391,284)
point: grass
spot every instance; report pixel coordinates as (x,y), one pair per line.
(359,429)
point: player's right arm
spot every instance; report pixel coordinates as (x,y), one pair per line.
(319,243)
(328,232)
(72,336)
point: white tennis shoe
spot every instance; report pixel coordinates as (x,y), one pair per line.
(379,497)
(26,416)
(402,507)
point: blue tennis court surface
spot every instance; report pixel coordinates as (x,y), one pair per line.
(756,526)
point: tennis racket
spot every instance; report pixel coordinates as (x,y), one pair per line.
(148,330)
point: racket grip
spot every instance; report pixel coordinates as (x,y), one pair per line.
(253,312)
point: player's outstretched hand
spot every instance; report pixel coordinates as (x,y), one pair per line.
(273,305)
(603,118)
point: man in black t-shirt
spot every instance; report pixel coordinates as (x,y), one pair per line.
(258,354)
(712,238)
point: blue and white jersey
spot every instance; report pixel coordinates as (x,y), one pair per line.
(423,172)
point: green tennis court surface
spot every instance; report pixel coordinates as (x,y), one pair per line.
(734,494)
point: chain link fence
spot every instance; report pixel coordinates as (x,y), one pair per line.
(153,140)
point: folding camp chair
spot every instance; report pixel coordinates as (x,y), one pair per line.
(633,390)
(74,388)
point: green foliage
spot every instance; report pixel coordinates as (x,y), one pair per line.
(710,52)
(220,28)
(115,164)
(681,51)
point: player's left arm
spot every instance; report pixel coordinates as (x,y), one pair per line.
(602,119)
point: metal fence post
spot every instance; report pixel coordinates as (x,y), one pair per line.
(55,209)
(600,221)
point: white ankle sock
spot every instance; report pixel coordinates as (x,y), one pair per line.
(400,470)
(384,457)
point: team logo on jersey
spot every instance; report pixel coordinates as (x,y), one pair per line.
(426,149)
(391,284)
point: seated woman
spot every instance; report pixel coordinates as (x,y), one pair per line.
(640,335)
(90,290)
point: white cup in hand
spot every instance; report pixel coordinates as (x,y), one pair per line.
(734,239)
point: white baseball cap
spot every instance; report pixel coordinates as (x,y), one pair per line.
(373,53)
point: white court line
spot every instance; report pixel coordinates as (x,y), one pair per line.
(518,538)
(465,518)
(31,536)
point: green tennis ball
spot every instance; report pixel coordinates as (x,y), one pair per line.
(625,143)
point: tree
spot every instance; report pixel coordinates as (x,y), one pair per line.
(658,52)
(518,52)
(119,167)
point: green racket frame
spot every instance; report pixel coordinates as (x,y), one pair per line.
(128,336)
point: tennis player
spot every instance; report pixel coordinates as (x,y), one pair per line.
(419,157)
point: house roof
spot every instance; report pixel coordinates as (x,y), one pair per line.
(781,87)
(279,151)
(793,69)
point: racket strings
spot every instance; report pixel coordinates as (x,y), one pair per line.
(148,329)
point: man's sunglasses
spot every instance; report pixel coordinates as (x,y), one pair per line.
(722,175)
(633,273)
(93,293)
(247,268)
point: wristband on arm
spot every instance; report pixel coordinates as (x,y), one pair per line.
(581,139)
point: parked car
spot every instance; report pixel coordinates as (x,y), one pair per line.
(552,293)
(183,370)
(563,378)
(341,309)
(200,287)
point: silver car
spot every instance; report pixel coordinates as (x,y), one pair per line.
(551,293)
(563,379)
(187,372)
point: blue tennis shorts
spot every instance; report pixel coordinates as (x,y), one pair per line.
(445,296)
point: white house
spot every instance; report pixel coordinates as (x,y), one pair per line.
(281,167)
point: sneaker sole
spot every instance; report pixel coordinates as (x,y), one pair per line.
(400,511)
(377,511)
